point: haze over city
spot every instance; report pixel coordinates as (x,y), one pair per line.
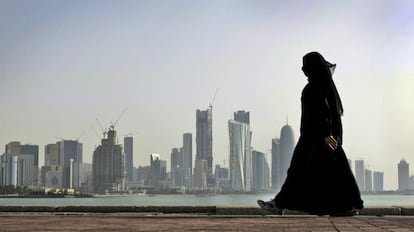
(65,63)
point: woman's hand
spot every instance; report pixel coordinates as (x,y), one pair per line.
(331,142)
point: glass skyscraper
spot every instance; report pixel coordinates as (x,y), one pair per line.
(204,140)
(240,153)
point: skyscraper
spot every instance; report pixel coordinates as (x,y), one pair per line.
(287,143)
(204,140)
(368,180)
(108,165)
(260,178)
(33,151)
(360,174)
(378,181)
(242,116)
(276,182)
(129,157)
(240,156)
(69,149)
(9,172)
(52,154)
(403,175)
(177,174)
(20,164)
(187,159)
(200,175)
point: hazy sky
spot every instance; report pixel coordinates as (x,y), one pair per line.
(65,63)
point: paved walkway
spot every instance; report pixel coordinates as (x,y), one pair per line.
(39,222)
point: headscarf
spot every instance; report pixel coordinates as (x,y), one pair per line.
(319,72)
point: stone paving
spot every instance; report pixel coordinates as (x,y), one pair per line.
(113,222)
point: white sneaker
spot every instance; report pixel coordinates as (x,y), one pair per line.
(270,206)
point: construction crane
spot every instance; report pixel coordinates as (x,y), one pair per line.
(100,126)
(212,101)
(113,124)
(77,139)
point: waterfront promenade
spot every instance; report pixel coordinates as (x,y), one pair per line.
(196,218)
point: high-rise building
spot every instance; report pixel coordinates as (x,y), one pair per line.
(177,170)
(52,154)
(129,157)
(276,182)
(242,116)
(360,174)
(378,181)
(368,180)
(9,171)
(260,181)
(411,183)
(85,177)
(287,143)
(221,174)
(32,170)
(27,171)
(240,156)
(403,175)
(187,159)
(69,149)
(108,165)
(158,170)
(144,173)
(204,141)
(200,175)
(20,164)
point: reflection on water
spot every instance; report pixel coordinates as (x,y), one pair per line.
(191,200)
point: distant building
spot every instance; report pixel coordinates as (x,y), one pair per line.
(411,183)
(69,149)
(204,141)
(240,156)
(221,173)
(108,165)
(187,151)
(31,170)
(276,177)
(260,181)
(158,170)
(200,175)
(242,117)
(27,171)
(52,154)
(85,177)
(368,180)
(403,175)
(19,165)
(360,174)
(129,157)
(9,172)
(177,170)
(144,173)
(52,176)
(287,144)
(378,181)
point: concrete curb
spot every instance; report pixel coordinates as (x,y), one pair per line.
(204,210)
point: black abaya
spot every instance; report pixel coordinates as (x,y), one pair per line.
(319,179)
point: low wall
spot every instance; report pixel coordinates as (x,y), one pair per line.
(201,210)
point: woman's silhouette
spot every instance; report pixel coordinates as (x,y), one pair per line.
(319,179)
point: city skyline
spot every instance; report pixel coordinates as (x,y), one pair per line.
(65,63)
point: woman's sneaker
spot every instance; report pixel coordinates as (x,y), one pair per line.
(270,206)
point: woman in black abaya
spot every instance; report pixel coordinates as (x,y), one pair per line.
(319,179)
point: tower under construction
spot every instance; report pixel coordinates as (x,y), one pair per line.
(108,165)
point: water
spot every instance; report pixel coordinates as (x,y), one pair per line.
(189,200)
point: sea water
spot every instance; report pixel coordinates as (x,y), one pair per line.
(187,200)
